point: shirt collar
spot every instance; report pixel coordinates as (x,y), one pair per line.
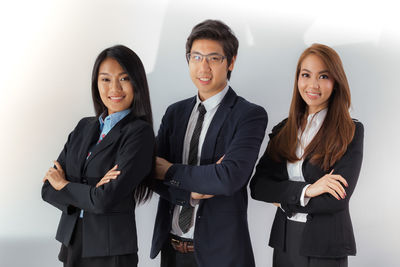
(113,119)
(318,117)
(213,101)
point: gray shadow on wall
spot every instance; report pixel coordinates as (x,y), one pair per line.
(32,252)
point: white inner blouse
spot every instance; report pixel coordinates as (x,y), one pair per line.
(314,123)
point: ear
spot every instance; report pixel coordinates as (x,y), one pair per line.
(232,63)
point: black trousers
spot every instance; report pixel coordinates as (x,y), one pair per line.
(71,256)
(172,258)
(292,258)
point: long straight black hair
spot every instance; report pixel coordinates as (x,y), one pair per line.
(140,107)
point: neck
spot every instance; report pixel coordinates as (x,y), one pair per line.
(314,110)
(206,95)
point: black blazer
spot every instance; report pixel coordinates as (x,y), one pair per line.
(221,236)
(109,219)
(328,231)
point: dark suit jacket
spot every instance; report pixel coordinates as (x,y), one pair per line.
(221,236)
(328,231)
(109,220)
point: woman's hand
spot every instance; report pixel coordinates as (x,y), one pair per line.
(329,183)
(56,177)
(110,175)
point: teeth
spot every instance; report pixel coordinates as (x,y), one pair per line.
(316,94)
(116,97)
(205,79)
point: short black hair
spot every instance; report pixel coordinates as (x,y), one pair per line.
(218,31)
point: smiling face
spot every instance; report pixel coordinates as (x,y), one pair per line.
(115,87)
(315,83)
(209,79)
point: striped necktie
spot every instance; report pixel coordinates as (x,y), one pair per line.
(186,214)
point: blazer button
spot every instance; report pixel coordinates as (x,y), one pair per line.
(175,182)
(84,181)
(309,217)
(181,202)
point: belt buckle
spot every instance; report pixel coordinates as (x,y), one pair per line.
(175,241)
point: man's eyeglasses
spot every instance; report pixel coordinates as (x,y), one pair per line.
(212,59)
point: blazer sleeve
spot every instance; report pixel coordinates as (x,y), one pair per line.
(270,183)
(234,171)
(174,195)
(134,161)
(49,194)
(348,167)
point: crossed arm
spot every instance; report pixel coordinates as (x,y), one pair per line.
(134,163)
(224,177)
(270,184)
(56,176)
(162,166)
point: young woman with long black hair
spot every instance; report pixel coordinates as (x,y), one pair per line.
(105,167)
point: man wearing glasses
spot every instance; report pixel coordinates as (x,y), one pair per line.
(207,148)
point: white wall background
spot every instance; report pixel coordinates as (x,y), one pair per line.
(47,52)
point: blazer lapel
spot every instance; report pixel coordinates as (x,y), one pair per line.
(181,125)
(207,151)
(109,139)
(91,137)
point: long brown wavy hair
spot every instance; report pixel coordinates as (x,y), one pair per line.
(337,130)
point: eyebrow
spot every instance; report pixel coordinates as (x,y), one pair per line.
(105,73)
(322,71)
(211,54)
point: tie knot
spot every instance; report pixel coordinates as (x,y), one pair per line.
(202,110)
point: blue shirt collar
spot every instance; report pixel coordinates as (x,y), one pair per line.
(112,119)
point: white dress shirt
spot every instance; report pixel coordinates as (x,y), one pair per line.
(211,105)
(314,123)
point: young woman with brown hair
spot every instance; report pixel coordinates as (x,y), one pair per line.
(311,167)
